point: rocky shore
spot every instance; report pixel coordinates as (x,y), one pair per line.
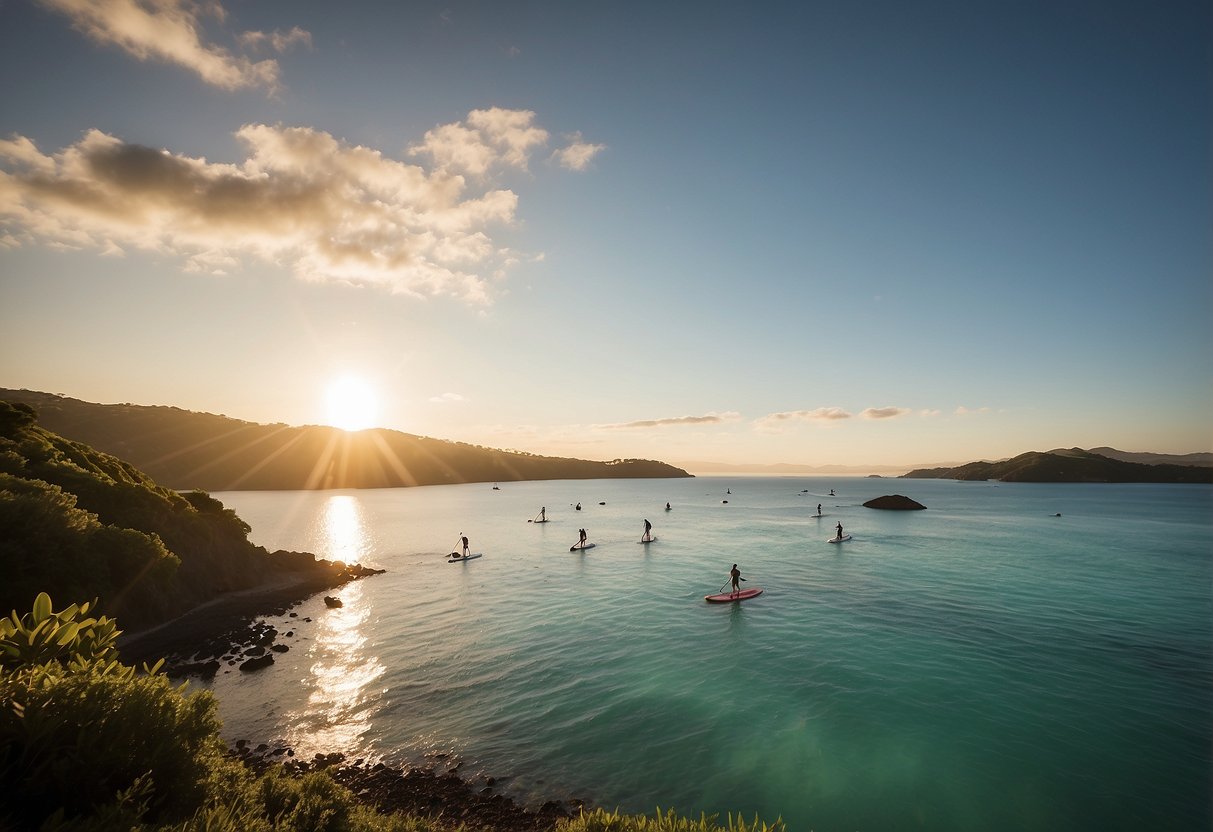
(437,791)
(232,632)
(228,628)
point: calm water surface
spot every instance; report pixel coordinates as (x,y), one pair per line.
(983,664)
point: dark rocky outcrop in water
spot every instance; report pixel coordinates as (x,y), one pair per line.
(895,502)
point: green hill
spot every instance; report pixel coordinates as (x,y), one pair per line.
(1072,465)
(80,524)
(183,449)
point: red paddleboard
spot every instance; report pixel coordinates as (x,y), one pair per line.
(725,597)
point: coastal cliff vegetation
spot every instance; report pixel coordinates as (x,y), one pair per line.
(90,743)
(183,449)
(78,523)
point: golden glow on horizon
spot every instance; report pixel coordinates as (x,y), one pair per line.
(351,404)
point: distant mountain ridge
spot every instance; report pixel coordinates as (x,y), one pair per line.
(1070,465)
(183,450)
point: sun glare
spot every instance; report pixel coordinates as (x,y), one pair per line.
(352,404)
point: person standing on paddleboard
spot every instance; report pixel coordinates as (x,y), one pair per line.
(648,527)
(464,541)
(735,576)
(581,541)
(819,508)
(839,528)
(543,514)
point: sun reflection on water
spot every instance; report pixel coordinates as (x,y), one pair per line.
(344,529)
(339,676)
(341,665)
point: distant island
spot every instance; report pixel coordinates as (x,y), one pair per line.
(183,449)
(1074,465)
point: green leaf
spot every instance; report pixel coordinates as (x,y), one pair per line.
(67,633)
(42,607)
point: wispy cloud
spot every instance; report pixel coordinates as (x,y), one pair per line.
(329,210)
(709,419)
(883,412)
(278,40)
(447,398)
(821,415)
(170,31)
(971,411)
(578,154)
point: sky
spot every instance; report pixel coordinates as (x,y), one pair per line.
(871,233)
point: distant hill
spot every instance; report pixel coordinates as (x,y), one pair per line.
(791,469)
(182,449)
(1072,465)
(1205,459)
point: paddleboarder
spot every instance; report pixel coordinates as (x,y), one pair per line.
(735,576)
(667,506)
(581,539)
(464,541)
(839,529)
(819,508)
(543,514)
(648,527)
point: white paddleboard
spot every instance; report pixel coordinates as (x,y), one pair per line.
(577,546)
(842,539)
(460,558)
(649,539)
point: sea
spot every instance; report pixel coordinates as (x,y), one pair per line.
(1015,657)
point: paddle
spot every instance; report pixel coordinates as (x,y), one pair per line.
(458,543)
(726,583)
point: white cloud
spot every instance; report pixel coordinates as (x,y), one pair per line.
(709,419)
(447,398)
(969,411)
(329,210)
(169,30)
(486,138)
(928,412)
(883,412)
(578,154)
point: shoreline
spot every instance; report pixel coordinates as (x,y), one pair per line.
(424,791)
(194,641)
(230,629)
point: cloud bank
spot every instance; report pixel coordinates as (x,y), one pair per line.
(883,412)
(825,416)
(170,31)
(709,419)
(302,198)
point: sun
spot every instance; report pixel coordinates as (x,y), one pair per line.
(352,404)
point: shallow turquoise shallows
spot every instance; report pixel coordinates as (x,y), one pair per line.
(983,664)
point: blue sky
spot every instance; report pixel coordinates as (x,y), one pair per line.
(862,233)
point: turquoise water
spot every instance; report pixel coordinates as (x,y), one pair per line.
(982,664)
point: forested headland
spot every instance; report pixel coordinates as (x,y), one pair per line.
(185,450)
(81,524)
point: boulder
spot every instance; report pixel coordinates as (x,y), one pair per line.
(894,502)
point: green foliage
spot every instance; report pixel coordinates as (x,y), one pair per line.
(80,523)
(601,820)
(85,735)
(43,635)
